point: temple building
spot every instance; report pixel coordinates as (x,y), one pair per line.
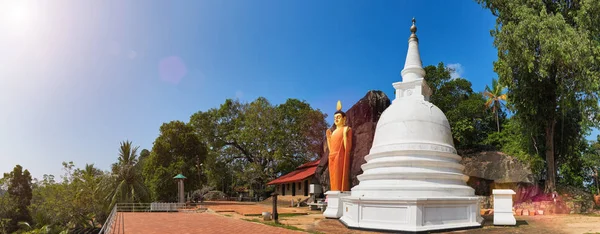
(297,182)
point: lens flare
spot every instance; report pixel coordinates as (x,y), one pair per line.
(172,69)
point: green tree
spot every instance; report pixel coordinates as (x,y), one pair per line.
(89,202)
(7,208)
(463,107)
(176,150)
(260,140)
(548,59)
(495,96)
(126,183)
(75,203)
(19,193)
(592,163)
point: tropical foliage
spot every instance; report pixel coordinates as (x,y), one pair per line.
(548,59)
(495,97)
(17,198)
(257,141)
(465,109)
(177,150)
(127,176)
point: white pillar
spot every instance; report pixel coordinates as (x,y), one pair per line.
(503,203)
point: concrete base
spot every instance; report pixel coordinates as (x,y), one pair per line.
(411,214)
(334,204)
(504,218)
(503,204)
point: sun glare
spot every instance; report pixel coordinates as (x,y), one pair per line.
(18,16)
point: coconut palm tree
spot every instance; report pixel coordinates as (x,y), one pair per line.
(127,182)
(495,96)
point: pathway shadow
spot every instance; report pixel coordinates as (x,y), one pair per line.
(489,222)
(522,223)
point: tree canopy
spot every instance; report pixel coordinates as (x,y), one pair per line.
(260,140)
(177,149)
(464,108)
(17,198)
(548,58)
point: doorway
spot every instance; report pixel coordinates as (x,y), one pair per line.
(283,189)
(293,189)
(306,188)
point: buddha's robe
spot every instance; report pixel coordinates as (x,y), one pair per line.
(339,159)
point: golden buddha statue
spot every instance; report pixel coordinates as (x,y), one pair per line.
(340,144)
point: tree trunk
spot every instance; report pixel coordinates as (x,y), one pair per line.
(497,122)
(596,180)
(551,172)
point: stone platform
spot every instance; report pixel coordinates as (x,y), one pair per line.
(411,214)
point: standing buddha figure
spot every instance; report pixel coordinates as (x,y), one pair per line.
(340,144)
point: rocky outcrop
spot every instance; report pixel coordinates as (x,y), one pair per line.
(490,170)
(362,117)
(498,167)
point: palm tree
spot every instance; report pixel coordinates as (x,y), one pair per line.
(495,97)
(127,181)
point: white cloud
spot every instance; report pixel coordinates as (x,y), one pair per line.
(456,70)
(239,94)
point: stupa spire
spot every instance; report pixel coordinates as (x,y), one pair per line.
(413,67)
(413,84)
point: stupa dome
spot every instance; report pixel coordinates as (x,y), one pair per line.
(410,122)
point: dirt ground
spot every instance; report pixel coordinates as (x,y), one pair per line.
(542,224)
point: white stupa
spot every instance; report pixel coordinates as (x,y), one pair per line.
(412,179)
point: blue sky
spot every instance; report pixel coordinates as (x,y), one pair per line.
(78,77)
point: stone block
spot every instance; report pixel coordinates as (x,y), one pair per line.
(519,212)
(540,212)
(525,212)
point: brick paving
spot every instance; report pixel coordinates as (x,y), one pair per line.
(542,224)
(179,222)
(250,208)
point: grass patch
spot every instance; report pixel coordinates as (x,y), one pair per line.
(274,224)
(290,215)
(228,215)
(592,214)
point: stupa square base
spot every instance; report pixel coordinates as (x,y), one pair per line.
(334,204)
(411,214)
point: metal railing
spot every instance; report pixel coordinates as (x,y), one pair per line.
(110,221)
(115,223)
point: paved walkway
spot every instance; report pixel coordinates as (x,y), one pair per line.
(542,224)
(178,222)
(250,208)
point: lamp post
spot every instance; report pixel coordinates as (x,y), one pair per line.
(275,214)
(180,179)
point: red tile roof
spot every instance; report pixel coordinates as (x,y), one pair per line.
(302,172)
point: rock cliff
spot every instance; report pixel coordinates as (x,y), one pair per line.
(362,117)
